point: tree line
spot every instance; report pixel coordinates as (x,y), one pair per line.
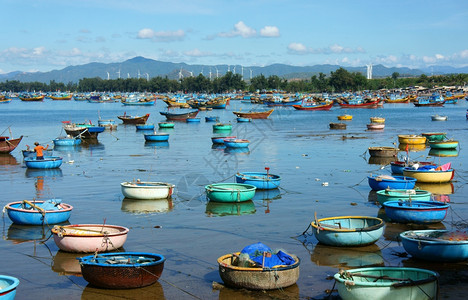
(337,81)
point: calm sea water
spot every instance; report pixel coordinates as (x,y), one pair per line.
(191,232)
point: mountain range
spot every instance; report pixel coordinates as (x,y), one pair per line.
(140,67)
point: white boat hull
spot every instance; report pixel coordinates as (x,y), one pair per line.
(147,190)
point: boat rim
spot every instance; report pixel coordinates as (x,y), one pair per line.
(87,260)
(370,228)
(8,206)
(404,235)
(297,262)
(56,229)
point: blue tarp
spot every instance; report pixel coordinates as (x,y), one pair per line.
(256,251)
(427,167)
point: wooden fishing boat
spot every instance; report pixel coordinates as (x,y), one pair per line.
(81,130)
(430,175)
(8,285)
(439,118)
(262,181)
(66,141)
(7,145)
(86,238)
(403,195)
(124,270)
(166,125)
(375,126)
(377,120)
(387,283)
(434,136)
(175,103)
(326,106)
(134,119)
(382,182)
(147,190)
(258,272)
(282,102)
(236,143)
(48,212)
(61,96)
(347,231)
(4,100)
(144,127)
(370,104)
(418,212)
(345,118)
(157,137)
(383,151)
(411,139)
(179,116)
(337,125)
(436,245)
(222,126)
(445,144)
(49,162)
(254,114)
(139,102)
(31,98)
(230,192)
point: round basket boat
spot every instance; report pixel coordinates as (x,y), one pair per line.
(49,162)
(262,181)
(383,151)
(124,270)
(221,126)
(8,285)
(402,194)
(429,176)
(387,283)
(147,190)
(157,137)
(230,192)
(166,125)
(86,238)
(52,211)
(382,182)
(418,212)
(257,278)
(436,245)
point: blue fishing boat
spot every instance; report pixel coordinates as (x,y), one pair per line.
(382,182)
(49,162)
(262,181)
(418,212)
(122,270)
(145,127)
(386,283)
(51,211)
(236,143)
(436,245)
(222,126)
(66,141)
(8,286)
(404,195)
(241,119)
(211,119)
(398,166)
(106,123)
(220,139)
(157,137)
(230,192)
(193,120)
(348,231)
(166,125)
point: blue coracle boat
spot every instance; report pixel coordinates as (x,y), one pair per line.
(145,127)
(419,212)
(49,162)
(51,211)
(157,137)
(8,286)
(436,245)
(66,141)
(262,181)
(382,182)
(211,119)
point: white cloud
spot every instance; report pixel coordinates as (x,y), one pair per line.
(197,53)
(240,29)
(297,47)
(161,36)
(270,31)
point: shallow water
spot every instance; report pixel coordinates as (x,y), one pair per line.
(191,232)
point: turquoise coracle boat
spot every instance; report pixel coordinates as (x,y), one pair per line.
(402,194)
(387,283)
(230,192)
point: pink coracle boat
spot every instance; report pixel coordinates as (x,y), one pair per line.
(86,238)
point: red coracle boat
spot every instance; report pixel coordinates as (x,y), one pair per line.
(372,104)
(7,145)
(327,106)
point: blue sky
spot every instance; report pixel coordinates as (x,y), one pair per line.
(43,35)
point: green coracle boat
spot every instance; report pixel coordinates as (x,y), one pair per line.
(402,194)
(230,192)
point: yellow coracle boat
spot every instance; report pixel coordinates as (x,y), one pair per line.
(345,117)
(411,139)
(377,120)
(429,176)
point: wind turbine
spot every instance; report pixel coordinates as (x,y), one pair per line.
(229,70)
(191,73)
(201,71)
(234,69)
(210,73)
(242,67)
(216,72)
(180,74)
(128,75)
(138,74)
(108,76)
(147,77)
(118,73)
(250,74)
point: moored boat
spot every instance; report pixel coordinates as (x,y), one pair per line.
(8,285)
(220,139)
(144,127)
(436,245)
(211,119)
(348,231)
(418,212)
(86,238)
(377,120)
(192,120)
(444,144)
(337,125)
(230,192)
(382,182)
(124,270)
(439,118)
(166,125)
(48,212)
(157,137)
(254,114)
(182,116)
(326,106)
(386,283)
(7,145)
(85,131)
(398,166)
(133,119)
(236,143)
(262,181)
(222,126)
(434,136)
(402,194)
(411,139)
(49,162)
(345,117)
(66,141)
(147,190)
(375,126)
(383,151)
(430,174)
(240,119)
(369,104)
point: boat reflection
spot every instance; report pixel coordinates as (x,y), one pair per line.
(51,173)
(412,147)
(66,263)
(272,194)
(375,160)
(338,257)
(290,292)
(218,146)
(26,233)
(7,159)
(153,144)
(372,197)
(167,130)
(92,144)
(443,152)
(136,206)
(230,209)
(445,188)
(154,291)
(243,150)
(392,230)
(67,149)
